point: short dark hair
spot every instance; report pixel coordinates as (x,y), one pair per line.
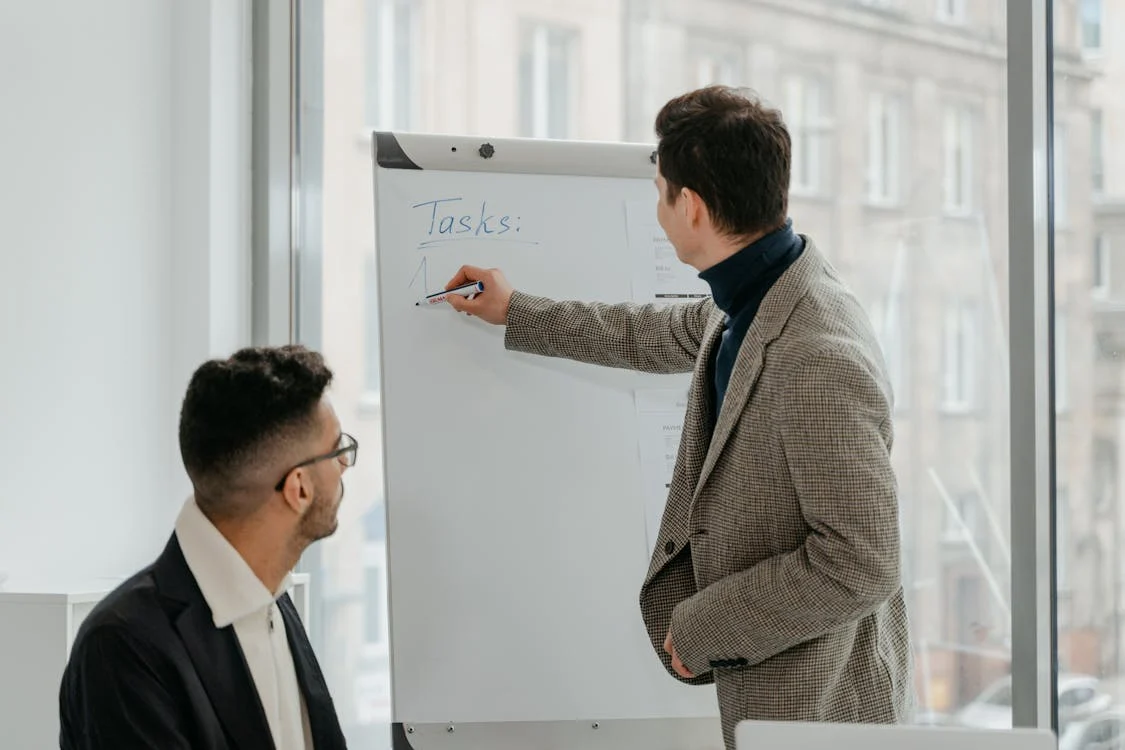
(731,149)
(237,407)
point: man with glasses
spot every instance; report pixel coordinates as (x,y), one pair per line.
(204,649)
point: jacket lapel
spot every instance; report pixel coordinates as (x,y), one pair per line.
(772,316)
(693,445)
(747,367)
(215,652)
(323,722)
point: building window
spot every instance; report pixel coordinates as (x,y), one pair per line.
(371,367)
(951,11)
(962,518)
(1062,380)
(1097,152)
(374,554)
(884,148)
(392,64)
(714,61)
(806,102)
(1101,265)
(961,353)
(886,317)
(1062,181)
(1062,537)
(958,181)
(1091,26)
(547,93)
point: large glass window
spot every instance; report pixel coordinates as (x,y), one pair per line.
(897,113)
(1089,497)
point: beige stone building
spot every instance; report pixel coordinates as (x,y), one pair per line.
(898,115)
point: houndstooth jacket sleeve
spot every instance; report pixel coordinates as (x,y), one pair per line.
(836,436)
(628,336)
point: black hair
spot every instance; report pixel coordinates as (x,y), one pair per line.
(732,150)
(237,409)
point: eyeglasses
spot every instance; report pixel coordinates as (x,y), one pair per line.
(345,453)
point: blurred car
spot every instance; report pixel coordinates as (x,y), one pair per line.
(1080,697)
(1102,731)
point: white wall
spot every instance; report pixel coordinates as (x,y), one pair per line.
(123,163)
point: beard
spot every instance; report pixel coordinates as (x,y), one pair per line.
(321,519)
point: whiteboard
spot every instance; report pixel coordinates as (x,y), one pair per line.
(763,735)
(516,528)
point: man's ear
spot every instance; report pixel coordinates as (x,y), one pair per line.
(297,491)
(695,211)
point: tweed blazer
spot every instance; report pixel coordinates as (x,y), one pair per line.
(777,566)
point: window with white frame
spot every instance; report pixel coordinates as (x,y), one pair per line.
(547,85)
(714,61)
(1097,152)
(884,148)
(1101,265)
(962,520)
(961,355)
(958,159)
(951,11)
(1062,362)
(371,367)
(1062,537)
(807,115)
(392,64)
(887,318)
(1090,24)
(1062,179)
(375,621)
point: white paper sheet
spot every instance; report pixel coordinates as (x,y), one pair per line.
(660,421)
(658,275)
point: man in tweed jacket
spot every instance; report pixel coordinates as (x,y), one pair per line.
(776,573)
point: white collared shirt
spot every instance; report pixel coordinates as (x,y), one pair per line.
(237,597)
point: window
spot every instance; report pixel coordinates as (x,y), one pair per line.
(392,64)
(1062,179)
(958,160)
(1097,154)
(962,522)
(1101,266)
(374,610)
(1062,539)
(546,81)
(714,61)
(1062,363)
(951,11)
(1091,25)
(573,69)
(371,367)
(887,317)
(806,109)
(961,351)
(884,148)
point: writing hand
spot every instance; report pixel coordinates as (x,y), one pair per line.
(491,305)
(677,665)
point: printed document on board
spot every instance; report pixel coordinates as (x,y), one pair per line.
(658,275)
(660,420)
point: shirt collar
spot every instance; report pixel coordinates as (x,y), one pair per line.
(229,586)
(730,279)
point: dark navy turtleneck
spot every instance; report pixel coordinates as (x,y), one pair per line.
(738,286)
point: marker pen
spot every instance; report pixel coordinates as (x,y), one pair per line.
(469,290)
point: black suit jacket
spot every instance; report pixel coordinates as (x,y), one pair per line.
(149,669)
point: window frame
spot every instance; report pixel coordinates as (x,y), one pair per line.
(279,260)
(534,105)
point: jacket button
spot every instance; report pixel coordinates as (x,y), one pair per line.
(670,547)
